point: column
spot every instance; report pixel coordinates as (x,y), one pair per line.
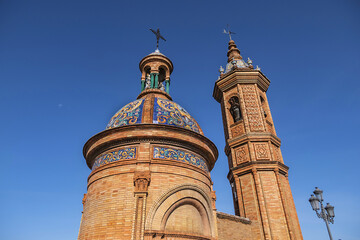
(152,80)
(167,85)
(156,80)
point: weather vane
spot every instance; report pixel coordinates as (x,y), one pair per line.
(228,31)
(158,36)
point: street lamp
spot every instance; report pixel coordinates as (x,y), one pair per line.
(326,213)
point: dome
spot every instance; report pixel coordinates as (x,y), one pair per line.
(160,111)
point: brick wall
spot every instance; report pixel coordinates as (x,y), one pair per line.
(232,227)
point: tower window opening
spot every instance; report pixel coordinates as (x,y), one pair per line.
(235,108)
(147,78)
(262,101)
(162,75)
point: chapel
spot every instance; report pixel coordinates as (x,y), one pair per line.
(151,167)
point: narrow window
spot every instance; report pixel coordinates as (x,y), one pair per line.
(263,106)
(235,108)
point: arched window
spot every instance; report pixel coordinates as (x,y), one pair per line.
(235,108)
(162,75)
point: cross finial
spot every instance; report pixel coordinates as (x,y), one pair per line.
(228,31)
(158,36)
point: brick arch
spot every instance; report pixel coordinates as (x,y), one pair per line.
(186,202)
(234,94)
(176,197)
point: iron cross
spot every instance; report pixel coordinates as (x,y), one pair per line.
(158,36)
(228,31)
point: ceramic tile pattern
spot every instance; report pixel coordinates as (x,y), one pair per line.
(170,113)
(128,115)
(178,155)
(121,154)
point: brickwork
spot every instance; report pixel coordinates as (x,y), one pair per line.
(151,167)
(185,218)
(124,198)
(233,227)
(108,204)
(258,177)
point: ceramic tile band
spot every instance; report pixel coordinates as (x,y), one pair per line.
(121,154)
(179,155)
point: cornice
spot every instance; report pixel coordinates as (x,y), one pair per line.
(90,152)
(234,218)
(248,167)
(156,57)
(239,76)
(251,137)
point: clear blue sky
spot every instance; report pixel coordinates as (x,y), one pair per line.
(67,66)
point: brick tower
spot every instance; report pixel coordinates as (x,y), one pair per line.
(258,176)
(150,175)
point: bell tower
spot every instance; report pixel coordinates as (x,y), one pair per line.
(258,175)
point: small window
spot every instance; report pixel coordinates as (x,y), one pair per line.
(262,101)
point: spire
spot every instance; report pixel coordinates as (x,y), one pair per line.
(235,60)
(234,52)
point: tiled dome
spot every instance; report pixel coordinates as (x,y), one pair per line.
(163,111)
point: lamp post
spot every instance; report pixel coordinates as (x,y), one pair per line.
(326,213)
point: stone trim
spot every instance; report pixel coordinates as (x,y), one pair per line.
(234,218)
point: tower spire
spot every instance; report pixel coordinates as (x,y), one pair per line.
(233,52)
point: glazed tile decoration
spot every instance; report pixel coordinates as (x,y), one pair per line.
(179,155)
(121,154)
(130,114)
(170,113)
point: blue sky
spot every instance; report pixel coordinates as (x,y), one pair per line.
(67,66)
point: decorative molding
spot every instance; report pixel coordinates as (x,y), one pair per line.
(179,155)
(141,181)
(239,76)
(260,165)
